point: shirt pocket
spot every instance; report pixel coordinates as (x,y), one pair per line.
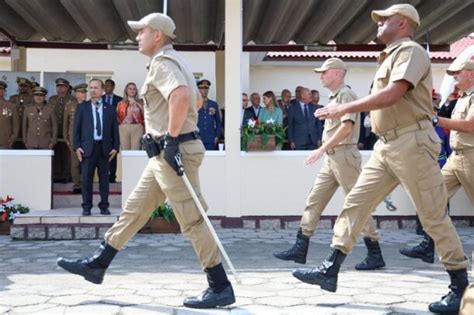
(381,77)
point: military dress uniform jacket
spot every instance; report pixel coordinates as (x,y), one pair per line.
(40,126)
(68,121)
(59,105)
(9,123)
(209,122)
(21,101)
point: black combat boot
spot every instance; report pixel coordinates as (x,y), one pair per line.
(219,293)
(91,268)
(419,227)
(450,302)
(298,252)
(325,275)
(424,250)
(374,259)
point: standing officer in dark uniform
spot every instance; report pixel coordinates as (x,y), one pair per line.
(40,126)
(61,159)
(22,100)
(406,153)
(171,103)
(209,119)
(9,122)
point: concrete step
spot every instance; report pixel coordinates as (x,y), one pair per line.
(74,201)
(63,188)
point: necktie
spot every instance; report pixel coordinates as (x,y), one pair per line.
(306,116)
(98,126)
(109,99)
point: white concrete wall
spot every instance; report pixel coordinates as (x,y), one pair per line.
(126,66)
(272,183)
(279,76)
(5,64)
(26,176)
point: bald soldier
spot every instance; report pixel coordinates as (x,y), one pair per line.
(171,104)
(61,158)
(9,121)
(21,100)
(406,153)
(341,167)
(80,92)
(39,123)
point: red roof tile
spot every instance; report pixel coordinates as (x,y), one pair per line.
(455,49)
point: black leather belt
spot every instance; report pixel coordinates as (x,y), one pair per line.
(193,135)
(97,141)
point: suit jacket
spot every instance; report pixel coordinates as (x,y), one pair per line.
(115,100)
(249,114)
(299,128)
(84,129)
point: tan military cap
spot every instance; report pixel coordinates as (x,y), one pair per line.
(40,91)
(61,81)
(461,64)
(23,81)
(157,21)
(331,63)
(80,88)
(3,85)
(404,9)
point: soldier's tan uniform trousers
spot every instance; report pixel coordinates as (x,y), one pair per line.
(405,154)
(159,181)
(341,168)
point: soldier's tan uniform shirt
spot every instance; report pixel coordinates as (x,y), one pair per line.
(403,60)
(167,72)
(40,126)
(68,122)
(9,123)
(464,107)
(59,105)
(342,95)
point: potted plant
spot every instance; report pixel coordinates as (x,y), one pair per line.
(162,220)
(262,136)
(8,212)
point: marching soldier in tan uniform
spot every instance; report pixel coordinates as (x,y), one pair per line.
(21,100)
(9,121)
(459,168)
(171,104)
(61,159)
(39,123)
(80,92)
(406,153)
(341,167)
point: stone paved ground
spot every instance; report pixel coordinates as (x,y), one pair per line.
(155,273)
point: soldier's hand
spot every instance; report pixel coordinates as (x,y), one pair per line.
(314,156)
(51,146)
(10,144)
(292,145)
(79,153)
(112,154)
(171,149)
(335,111)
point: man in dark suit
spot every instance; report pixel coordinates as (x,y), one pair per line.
(252,111)
(111,99)
(303,128)
(96,143)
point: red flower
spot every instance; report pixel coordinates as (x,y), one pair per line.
(4,216)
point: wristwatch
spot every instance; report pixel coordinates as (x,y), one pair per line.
(435,120)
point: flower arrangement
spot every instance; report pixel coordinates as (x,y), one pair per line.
(10,210)
(164,211)
(264,130)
